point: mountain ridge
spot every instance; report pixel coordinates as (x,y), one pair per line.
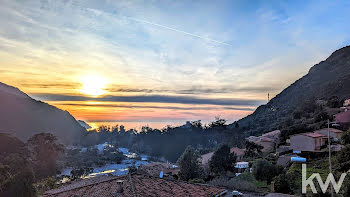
(23,116)
(328,78)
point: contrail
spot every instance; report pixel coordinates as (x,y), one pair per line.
(180,31)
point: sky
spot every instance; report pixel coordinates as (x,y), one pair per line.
(164,61)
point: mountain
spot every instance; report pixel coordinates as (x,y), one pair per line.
(324,80)
(84,124)
(23,117)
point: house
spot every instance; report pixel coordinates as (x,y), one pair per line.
(285,160)
(333,133)
(241,167)
(284,149)
(268,140)
(275,135)
(237,151)
(267,143)
(205,158)
(311,142)
(154,169)
(343,118)
(346,103)
(131,185)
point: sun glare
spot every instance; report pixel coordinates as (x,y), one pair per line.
(93,85)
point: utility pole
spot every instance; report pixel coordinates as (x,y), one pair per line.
(329,156)
(268,97)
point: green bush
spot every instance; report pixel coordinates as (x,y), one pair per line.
(265,171)
(196,180)
(243,182)
(282,185)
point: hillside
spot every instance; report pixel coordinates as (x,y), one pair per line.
(324,80)
(23,117)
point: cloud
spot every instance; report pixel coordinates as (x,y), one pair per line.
(152,99)
(167,52)
(180,31)
(156,107)
(195,90)
(50,85)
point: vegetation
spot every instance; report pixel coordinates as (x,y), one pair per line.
(345,139)
(252,150)
(243,182)
(325,81)
(77,173)
(16,171)
(189,165)
(265,171)
(170,142)
(282,184)
(222,160)
(45,151)
(343,159)
(132,168)
(44,185)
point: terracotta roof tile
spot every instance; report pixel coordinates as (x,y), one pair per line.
(138,184)
(343,117)
(331,130)
(155,168)
(237,151)
(314,135)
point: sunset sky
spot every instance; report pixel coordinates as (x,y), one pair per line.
(164,60)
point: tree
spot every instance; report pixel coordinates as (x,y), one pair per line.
(297,114)
(343,159)
(264,170)
(222,160)
(218,123)
(16,173)
(77,173)
(132,168)
(189,165)
(321,116)
(45,151)
(196,124)
(345,138)
(334,102)
(252,149)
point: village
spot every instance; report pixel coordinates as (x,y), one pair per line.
(162,178)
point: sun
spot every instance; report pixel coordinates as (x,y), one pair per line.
(93,85)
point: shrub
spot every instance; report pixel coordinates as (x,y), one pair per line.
(196,180)
(243,182)
(265,171)
(282,184)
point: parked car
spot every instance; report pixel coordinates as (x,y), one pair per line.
(236,193)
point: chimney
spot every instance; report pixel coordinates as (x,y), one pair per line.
(120,188)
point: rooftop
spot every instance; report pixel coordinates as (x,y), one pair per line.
(155,168)
(343,117)
(206,157)
(331,130)
(237,151)
(314,135)
(134,185)
(275,133)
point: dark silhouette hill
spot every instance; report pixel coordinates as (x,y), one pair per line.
(324,80)
(22,116)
